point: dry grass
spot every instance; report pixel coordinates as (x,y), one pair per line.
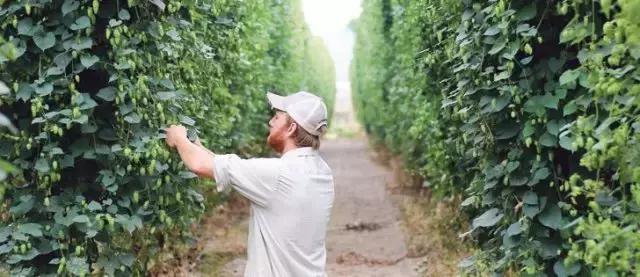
(432,229)
(219,238)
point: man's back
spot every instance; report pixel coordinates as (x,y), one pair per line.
(291,205)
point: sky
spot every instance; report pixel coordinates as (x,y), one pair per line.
(329,19)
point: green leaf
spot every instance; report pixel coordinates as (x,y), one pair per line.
(187,175)
(62,60)
(87,102)
(187,120)
(4,90)
(488,218)
(88,60)
(502,75)
(530,198)
(44,41)
(224,21)
(44,89)
(108,264)
(514,229)
(570,108)
(548,140)
(541,173)
(108,178)
(174,35)
(25,27)
(132,118)
(82,22)
(166,95)
(512,165)
(553,127)
(510,241)
(5,248)
(569,76)
(518,181)
(32,229)
(69,6)
(6,167)
(124,15)
(82,43)
(498,46)
(551,216)
(78,266)
(566,142)
(81,219)
(42,165)
(531,210)
(94,206)
(535,105)
(129,222)
(107,94)
(501,102)
(82,119)
(5,232)
(493,30)
(126,259)
(24,205)
(159,3)
(54,71)
(561,270)
(24,92)
(550,101)
(66,220)
(526,60)
(467,202)
(522,28)
(527,13)
(528,130)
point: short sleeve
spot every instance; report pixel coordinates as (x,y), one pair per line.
(255,178)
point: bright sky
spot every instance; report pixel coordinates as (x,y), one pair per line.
(329,19)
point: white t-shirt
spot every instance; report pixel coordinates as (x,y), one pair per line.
(291,200)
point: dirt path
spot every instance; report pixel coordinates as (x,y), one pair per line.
(364,237)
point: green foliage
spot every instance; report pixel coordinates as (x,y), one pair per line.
(398,68)
(303,61)
(530,107)
(91,85)
(319,71)
(5,123)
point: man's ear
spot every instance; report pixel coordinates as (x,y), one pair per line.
(293,127)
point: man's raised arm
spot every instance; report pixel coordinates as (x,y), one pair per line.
(196,157)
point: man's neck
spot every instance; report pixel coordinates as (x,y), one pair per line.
(288,147)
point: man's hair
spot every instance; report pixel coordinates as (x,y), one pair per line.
(303,138)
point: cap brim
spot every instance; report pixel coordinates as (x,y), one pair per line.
(276,101)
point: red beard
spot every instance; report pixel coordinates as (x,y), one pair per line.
(276,140)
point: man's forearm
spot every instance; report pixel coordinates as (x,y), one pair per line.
(197,158)
(205,149)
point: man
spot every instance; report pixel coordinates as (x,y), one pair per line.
(291,196)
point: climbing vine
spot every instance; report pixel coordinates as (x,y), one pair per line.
(90,84)
(529,108)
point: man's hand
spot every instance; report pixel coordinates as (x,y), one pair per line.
(174,134)
(197,158)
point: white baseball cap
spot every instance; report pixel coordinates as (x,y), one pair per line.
(306,109)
